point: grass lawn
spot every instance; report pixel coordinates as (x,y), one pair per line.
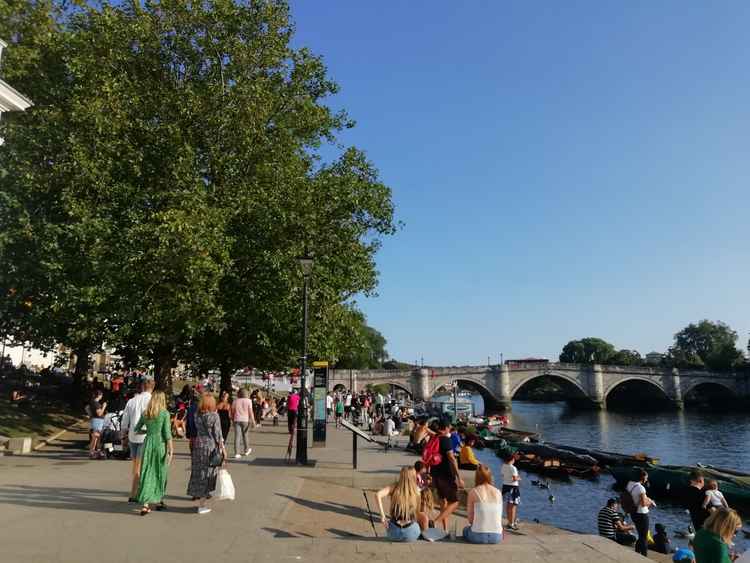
(37,421)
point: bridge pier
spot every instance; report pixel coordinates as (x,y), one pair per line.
(502,391)
(674,389)
(596,388)
(420,384)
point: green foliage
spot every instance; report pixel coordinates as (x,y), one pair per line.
(627,358)
(364,348)
(706,344)
(588,351)
(167,178)
(382,388)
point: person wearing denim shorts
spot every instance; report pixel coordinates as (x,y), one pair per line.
(484,510)
(407,521)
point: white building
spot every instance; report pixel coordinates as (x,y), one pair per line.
(10,99)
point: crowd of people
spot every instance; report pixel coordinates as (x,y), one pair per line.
(149,420)
(148,429)
(713,523)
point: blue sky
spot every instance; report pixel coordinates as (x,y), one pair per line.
(563,169)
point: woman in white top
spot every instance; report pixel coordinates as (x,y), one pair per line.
(484,509)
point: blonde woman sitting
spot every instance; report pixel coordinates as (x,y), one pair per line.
(484,510)
(407,521)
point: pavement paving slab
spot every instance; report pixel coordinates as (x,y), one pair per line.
(56,505)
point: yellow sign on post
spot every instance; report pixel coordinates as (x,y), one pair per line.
(321,364)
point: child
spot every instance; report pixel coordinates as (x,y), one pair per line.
(511,491)
(714,498)
(424,482)
(661,540)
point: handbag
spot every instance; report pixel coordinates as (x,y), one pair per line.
(216,457)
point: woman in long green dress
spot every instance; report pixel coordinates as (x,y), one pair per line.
(157,453)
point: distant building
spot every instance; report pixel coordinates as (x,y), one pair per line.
(654,358)
(10,99)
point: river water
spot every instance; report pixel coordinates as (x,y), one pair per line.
(682,438)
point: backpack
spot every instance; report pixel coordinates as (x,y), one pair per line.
(431,454)
(627,502)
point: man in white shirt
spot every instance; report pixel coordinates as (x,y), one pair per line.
(134,409)
(637,490)
(329,406)
(348,405)
(379,400)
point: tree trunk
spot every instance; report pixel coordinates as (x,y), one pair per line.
(163,364)
(226,378)
(81,370)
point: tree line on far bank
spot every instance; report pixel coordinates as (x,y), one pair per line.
(179,158)
(703,345)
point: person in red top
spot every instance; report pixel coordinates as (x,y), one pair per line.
(292,406)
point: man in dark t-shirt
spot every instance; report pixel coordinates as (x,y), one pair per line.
(693,499)
(445,477)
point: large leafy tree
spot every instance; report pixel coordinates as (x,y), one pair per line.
(588,351)
(174,148)
(364,348)
(626,357)
(706,344)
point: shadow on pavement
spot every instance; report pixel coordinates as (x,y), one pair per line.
(70,498)
(277,533)
(270,462)
(90,500)
(338,508)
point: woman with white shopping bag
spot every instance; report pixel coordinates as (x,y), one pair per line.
(209,454)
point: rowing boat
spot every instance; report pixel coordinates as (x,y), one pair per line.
(671,481)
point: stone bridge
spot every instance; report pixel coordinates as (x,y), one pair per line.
(499,384)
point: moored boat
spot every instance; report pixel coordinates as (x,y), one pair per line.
(670,481)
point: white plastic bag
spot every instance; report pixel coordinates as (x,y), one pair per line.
(224,486)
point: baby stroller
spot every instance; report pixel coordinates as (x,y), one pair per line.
(111,440)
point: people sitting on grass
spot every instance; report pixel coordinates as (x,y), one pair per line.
(407,521)
(467,459)
(484,510)
(611,524)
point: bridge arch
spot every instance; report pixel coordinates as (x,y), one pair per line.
(715,385)
(570,383)
(487,396)
(635,393)
(710,395)
(405,388)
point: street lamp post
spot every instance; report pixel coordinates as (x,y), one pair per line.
(306,262)
(455,401)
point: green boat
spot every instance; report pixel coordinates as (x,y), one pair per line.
(670,481)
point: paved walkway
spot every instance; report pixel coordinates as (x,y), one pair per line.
(58,506)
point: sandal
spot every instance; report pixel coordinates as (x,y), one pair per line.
(145,510)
